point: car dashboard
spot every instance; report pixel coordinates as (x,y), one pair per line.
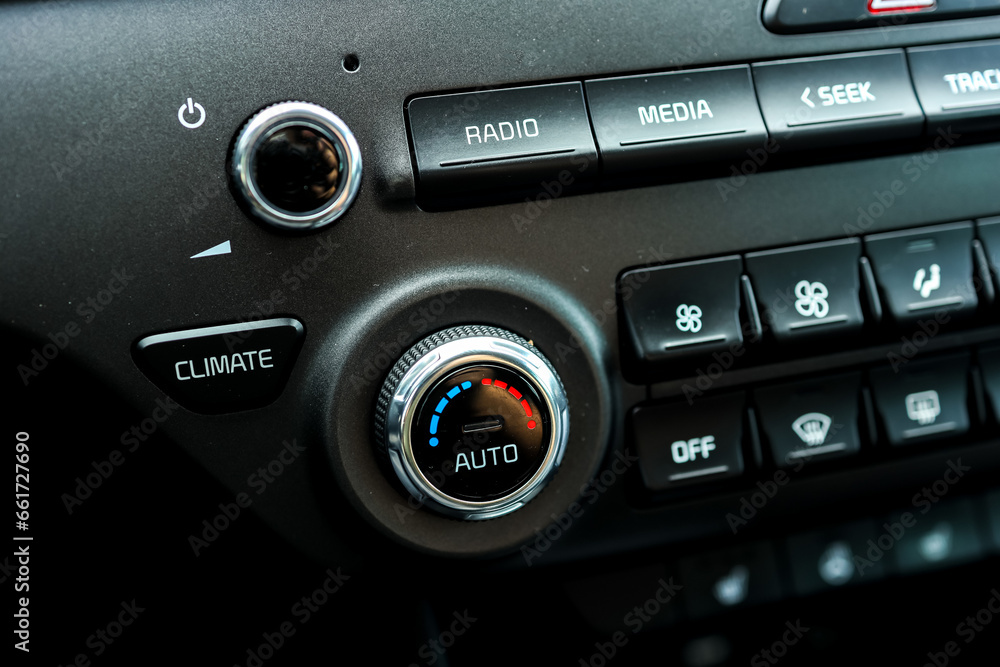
(476,333)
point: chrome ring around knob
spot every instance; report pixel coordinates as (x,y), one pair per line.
(460,363)
(323,125)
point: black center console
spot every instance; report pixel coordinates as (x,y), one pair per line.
(570,333)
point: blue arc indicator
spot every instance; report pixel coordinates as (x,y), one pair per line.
(442,404)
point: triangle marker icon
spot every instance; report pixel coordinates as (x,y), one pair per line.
(222,249)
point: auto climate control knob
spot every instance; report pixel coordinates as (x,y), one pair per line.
(474,421)
(296,165)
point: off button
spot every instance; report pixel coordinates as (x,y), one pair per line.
(816,102)
(697,443)
(220,369)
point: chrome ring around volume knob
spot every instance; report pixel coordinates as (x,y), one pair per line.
(474,421)
(297,165)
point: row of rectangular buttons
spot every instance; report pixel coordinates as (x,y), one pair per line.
(920,538)
(836,556)
(704,440)
(808,294)
(950,534)
(528,138)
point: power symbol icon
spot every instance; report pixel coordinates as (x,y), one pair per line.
(191,110)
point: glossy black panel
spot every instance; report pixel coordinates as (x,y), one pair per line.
(297,169)
(481,433)
(799,16)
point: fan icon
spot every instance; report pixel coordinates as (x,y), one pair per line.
(689,318)
(811,301)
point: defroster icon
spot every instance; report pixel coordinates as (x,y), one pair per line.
(812,428)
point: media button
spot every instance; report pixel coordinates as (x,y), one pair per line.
(662,120)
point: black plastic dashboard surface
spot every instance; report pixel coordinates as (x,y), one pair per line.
(274,535)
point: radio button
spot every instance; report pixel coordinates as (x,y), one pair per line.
(502,141)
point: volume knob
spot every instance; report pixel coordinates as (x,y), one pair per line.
(296,165)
